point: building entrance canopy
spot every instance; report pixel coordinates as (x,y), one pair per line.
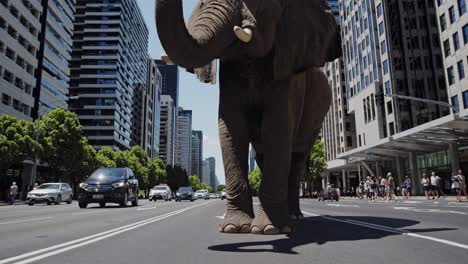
(430,137)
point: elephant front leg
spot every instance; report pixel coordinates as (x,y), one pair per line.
(298,168)
(235,146)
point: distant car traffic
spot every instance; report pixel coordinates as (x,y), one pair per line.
(202,194)
(50,193)
(160,192)
(223,194)
(185,193)
(109,185)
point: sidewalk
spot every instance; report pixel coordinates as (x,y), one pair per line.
(3,203)
(450,198)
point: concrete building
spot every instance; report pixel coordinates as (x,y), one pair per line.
(252,163)
(35,51)
(152,111)
(209,172)
(184,139)
(109,63)
(197,153)
(166,136)
(453,26)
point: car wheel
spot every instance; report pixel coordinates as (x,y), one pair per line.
(135,201)
(102,204)
(49,203)
(70,200)
(82,205)
(59,199)
(124,202)
(30,204)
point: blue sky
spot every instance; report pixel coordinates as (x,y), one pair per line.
(201,98)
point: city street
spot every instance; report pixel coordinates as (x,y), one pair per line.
(351,231)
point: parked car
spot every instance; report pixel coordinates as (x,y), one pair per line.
(50,193)
(160,192)
(202,194)
(109,185)
(223,194)
(185,193)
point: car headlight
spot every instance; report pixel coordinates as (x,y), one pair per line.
(83,185)
(178,193)
(118,184)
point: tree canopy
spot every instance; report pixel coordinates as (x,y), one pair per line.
(255,178)
(221,187)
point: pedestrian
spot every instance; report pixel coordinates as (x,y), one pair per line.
(456,186)
(382,183)
(407,185)
(426,185)
(13,193)
(361,191)
(368,187)
(440,188)
(390,183)
(434,185)
(375,188)
(462,181)
(35,186)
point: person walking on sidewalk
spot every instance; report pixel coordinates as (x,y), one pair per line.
(440,187)
(434,185)
(390,187)
(462,180)
(426,185)
(408,186)
(13,193)
(456,186)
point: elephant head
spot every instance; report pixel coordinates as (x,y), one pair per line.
(207,35)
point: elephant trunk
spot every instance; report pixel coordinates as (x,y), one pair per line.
(209,30)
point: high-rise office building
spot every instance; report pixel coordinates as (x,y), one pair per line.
(252,163)
(453,27)
(166,136)
(213,180)
(170,80)
(197,153)
(35,48)
(152,111)
(184,138)
(109,63)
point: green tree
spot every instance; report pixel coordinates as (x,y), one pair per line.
(137,160)
(206,186)
(194,182)
(220,188)
(255,177)
(156,172)
(16,141)
(62,142)
(317,165)
(106,157)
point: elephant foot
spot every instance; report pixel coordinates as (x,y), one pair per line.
(273,223)
(236,222)
(296,215)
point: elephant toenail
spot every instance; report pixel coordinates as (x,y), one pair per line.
(245,229)
(271,230)
(256,230)
(230,229)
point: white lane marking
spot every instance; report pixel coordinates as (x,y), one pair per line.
(343,205)
(411,202)
(100,211)
(90,239)
(146,208)
(392,230)
(428,210)
(220,216)
(25,220)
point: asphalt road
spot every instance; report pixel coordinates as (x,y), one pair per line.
(168,232)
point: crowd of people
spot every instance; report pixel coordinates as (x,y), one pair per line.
(384,187)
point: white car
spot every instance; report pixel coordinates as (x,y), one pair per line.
(202,194)
(50,193)
(223,194)
(160,192)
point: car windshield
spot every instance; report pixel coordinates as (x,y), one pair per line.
(159,188)
(100,174)
(184,189)
(49,186)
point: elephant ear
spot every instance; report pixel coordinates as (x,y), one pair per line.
(207,73)
(307,36)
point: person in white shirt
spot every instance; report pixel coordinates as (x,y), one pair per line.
(434,183)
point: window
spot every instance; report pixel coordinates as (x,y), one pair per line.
(452,15)
(381,28)
(450,75)
(6,99)
(387,88)
(456,41)
(383,47)
(385,66)
(465,99)
(379,10)
(465,33)
(447,48)
(392,128)
(461,70)
(455,102)
(389,107)
(443,22)
(349,141)
(461,7)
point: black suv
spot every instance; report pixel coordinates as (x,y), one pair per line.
(185,193)
(109,185)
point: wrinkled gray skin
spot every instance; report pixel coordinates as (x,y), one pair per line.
(275,101)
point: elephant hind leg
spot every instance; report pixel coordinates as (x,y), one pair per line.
(298,169)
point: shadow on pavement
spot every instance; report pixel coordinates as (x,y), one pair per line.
(320,231)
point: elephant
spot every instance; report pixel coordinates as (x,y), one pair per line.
(274,97)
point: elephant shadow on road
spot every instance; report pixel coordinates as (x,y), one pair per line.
(321,230)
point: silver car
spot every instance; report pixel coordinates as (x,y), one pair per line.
(49,193)
(202,194)
(160,192)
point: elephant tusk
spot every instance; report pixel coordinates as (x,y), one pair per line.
(167,60)
(244,34)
